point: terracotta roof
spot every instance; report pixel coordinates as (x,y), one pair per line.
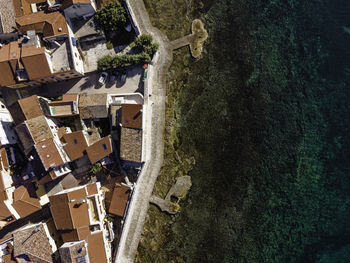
(99,149)
(75,144)
(119,200)
(22,7)
(131,145)
(6,76)
(61,131)
(35,62)
(70,215)
(66,197)
(4,159)
(75,234)
(93,106)
(4,211)
(50,24)
(92,189)
(49,154)
(34,243)
(96,248)
(25,109)
(23,203)
(70,97)
(132,116)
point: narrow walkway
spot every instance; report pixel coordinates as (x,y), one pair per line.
(155,86)
(181,42)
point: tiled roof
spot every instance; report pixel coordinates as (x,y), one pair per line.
(72,215)
(132,116)
(131,144)
(23,203)
(99,149)
(96,248)
(75,234)
(34,243)
(50,24)
(25,109)
(39,129)
(93,106)
(119,200)
(49,154)
(75,144)
(35,62)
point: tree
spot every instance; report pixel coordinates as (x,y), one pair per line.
(96,168)
(111,16)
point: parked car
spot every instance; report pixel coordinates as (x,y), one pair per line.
(112,79)
(103,78)
(123,77)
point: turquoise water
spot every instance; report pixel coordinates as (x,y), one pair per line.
(266,114)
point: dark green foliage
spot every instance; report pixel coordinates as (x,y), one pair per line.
(96,168)
(111,16)
(146,48)
(266,114)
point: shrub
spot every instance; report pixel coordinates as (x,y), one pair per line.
(146,48)
(95,168)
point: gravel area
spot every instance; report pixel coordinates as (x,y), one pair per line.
(7,16)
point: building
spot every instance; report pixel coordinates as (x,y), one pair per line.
(68,106)
(39,136)
(131,145)
(78,9)
(16,204)
(7,133)
(74,144)
(79,215)
(100,149)
(120,200)
(52,25)
(32,243)
(26,7)
(93,106)
(131,134)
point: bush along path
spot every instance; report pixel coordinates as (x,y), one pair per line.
(142,51)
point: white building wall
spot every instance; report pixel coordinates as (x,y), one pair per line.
(77,60)
(7,132)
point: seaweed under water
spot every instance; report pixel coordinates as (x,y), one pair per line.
(265,113)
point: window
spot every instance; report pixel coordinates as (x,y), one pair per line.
(104,146)
(75,141)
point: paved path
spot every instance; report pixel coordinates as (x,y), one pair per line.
(181,42)
(155,120)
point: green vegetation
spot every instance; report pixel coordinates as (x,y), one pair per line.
(111,16)
(199,36)
(265,113)
(144,48)
(96,168)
